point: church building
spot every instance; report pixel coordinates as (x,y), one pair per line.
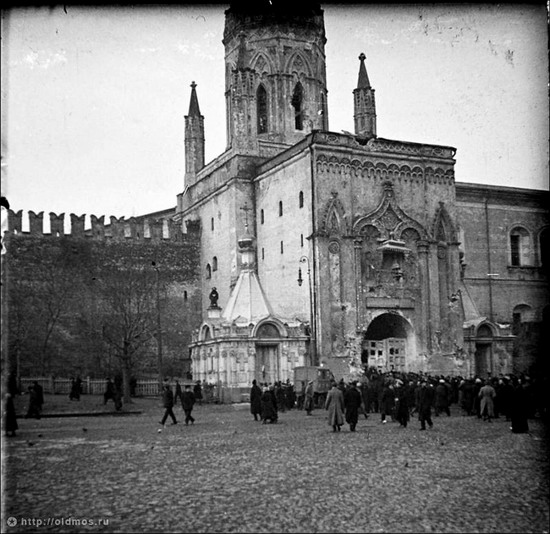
(343,250)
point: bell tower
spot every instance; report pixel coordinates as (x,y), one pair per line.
(275,74)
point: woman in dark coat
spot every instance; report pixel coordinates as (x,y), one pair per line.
(256,401)
(269,406)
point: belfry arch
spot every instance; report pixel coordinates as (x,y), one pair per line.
(388,343)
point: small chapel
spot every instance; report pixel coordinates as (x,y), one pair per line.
(323,248)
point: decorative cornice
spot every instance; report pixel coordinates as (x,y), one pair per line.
(381,145)
(382,171)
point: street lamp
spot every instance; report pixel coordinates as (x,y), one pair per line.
(159,334)
(312,348)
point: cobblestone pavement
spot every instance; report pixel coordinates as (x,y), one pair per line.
(228,473)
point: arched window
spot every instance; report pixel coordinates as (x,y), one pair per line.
(280,208)
(520,249)
(268,330)
(212,223)
(297,99)
(282,248)
(301,199)
(262,216)
(208,271)
(215,263)
(484,331)
(206,333)
(261,102)
(522,313)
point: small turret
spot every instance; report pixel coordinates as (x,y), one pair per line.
(364,104)
(194,138)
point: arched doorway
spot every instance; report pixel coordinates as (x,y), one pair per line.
(267,353)
(484,351)
(388,343)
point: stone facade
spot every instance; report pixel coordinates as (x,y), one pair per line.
(372,226)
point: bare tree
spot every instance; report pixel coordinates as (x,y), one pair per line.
(128,315)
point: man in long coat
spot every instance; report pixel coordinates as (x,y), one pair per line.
(308,405)
(255,401)
(442,399)
(425,400)
(402,403)
(187,402)
(168,403)
(335,406)
(387,402)
(487,396)
(352,403)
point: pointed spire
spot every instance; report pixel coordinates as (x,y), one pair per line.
(363,82)
(194,110)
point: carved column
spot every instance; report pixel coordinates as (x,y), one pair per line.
(424,328)
(359,300)
(434,311)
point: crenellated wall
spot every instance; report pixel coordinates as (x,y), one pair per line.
(134,228)
(58,285)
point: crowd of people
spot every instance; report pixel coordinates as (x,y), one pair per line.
(402,396)
(389,396)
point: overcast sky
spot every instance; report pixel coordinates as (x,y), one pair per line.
(94,99)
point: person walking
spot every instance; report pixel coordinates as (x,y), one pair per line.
(334,404)
(308,404)
(487,396)
(168,403)
(256,401)
(352,402)
(188,400)
(424,404)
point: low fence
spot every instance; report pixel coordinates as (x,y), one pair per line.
(89,386)
(93,386)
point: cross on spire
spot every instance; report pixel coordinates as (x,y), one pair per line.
(246,209)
